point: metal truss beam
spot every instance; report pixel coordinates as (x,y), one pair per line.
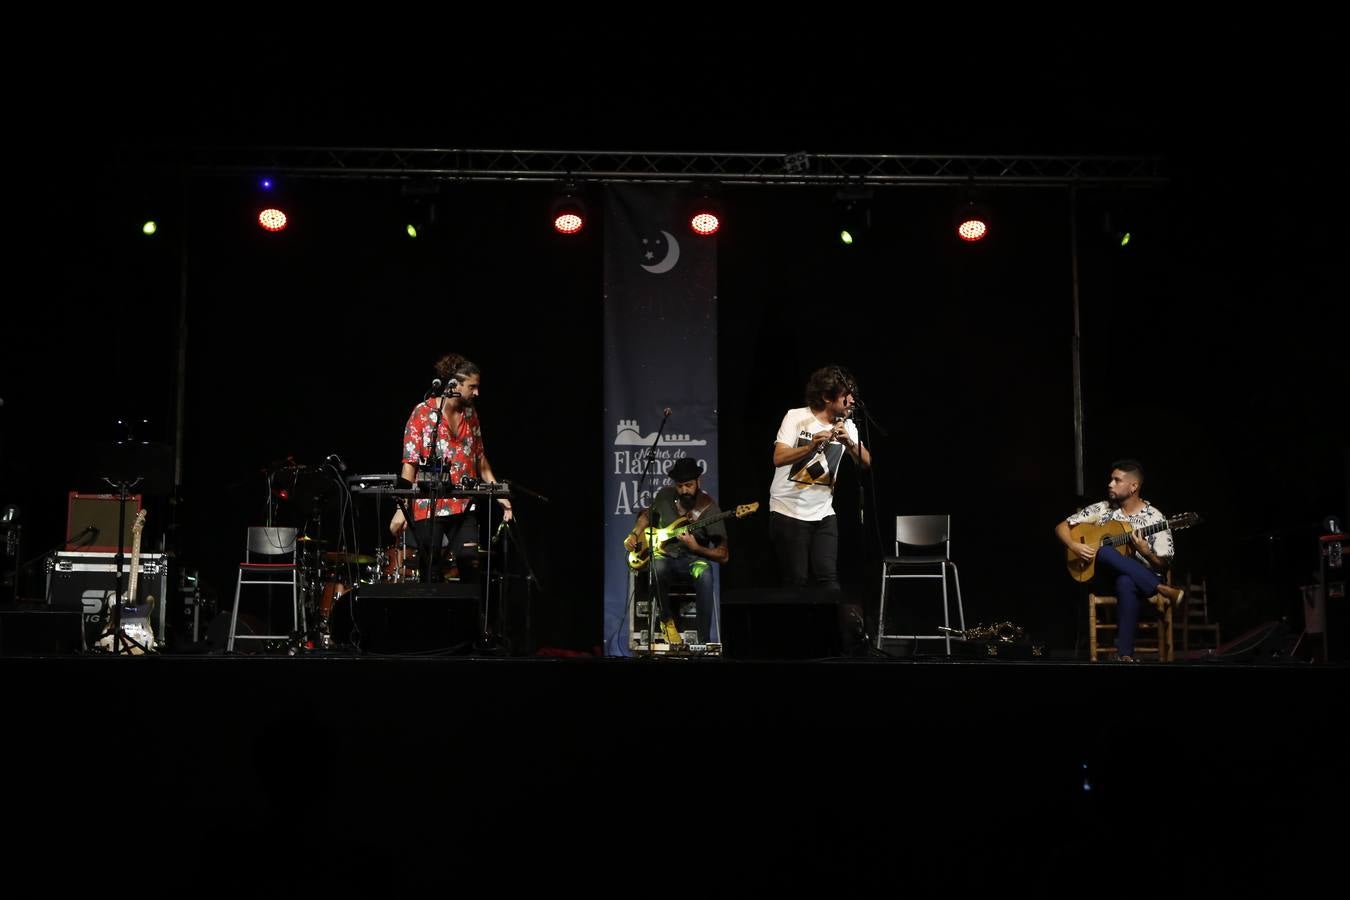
(720,168)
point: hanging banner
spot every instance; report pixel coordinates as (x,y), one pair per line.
(660,353)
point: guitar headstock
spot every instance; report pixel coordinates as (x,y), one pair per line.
(746,509)
(1185,520)
(137,525)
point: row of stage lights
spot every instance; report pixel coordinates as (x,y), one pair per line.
(704,218)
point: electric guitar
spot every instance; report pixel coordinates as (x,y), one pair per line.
(1115,534)
(642,554)
(135,617)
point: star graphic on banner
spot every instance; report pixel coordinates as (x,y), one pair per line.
(649,254)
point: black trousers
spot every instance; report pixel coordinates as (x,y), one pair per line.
(797,542)
(812,548)
(442,537)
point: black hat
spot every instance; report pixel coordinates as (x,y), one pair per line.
(685,469)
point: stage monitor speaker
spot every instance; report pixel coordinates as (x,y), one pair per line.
(407,618)
(780,623)
(38,631)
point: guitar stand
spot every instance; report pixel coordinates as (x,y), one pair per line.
(122,643)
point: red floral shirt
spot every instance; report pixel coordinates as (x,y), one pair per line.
(460,452)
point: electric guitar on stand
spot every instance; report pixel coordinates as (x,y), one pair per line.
(642,554)
(137,636)
(1115,534)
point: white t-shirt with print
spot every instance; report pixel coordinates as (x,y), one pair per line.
(805,489)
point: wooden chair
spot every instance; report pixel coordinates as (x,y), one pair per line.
(1160,645)
(1195,617)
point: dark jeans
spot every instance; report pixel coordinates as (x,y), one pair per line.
(1132,582)
(686,570)
(455,536)
(795,542)
(802,546)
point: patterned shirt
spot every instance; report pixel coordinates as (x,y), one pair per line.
(1160,542)
(459,452)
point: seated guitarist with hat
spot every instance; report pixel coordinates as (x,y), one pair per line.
(1132,579)
(687,558)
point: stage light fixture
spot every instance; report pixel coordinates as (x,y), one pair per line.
(704,211)
(972,221)
(705,223)
(1118,229)
(272,219)
(853,214)
(568,212)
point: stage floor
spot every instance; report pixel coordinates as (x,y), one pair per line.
(378,771)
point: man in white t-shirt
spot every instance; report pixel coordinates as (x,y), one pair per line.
(1130,578)
(810,447)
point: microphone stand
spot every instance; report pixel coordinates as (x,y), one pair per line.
(653,583)
(429,554)
(508,527)
(868,423)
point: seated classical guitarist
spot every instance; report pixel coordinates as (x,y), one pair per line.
(687,559)
(1132,579)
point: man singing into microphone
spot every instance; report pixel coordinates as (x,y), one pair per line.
(807,454)
(444,437)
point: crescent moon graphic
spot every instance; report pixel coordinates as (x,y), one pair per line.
(672,256)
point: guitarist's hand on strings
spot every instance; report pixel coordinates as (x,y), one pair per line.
(687,539)
(1143,549)
(634,538)
(1085,552)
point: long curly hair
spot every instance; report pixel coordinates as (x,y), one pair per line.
(827,383)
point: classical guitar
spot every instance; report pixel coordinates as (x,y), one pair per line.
(135,617)
(661,537)
(1115,534)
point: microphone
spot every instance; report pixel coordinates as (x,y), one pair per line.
(334,459)
(667,412)
(436,385)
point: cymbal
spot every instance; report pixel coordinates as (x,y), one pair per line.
(359,559)
(304,539)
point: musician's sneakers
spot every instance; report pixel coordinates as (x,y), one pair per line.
(673,636)
(1174,594)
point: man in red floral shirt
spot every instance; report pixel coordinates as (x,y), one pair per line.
(443,436)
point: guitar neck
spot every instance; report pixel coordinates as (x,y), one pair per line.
(136,531)
(135,569)
(1115,539)
(709,520)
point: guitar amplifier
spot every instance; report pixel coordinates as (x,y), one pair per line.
(84,581)
(92,522)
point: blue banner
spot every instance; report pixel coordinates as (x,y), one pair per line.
(660,353)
